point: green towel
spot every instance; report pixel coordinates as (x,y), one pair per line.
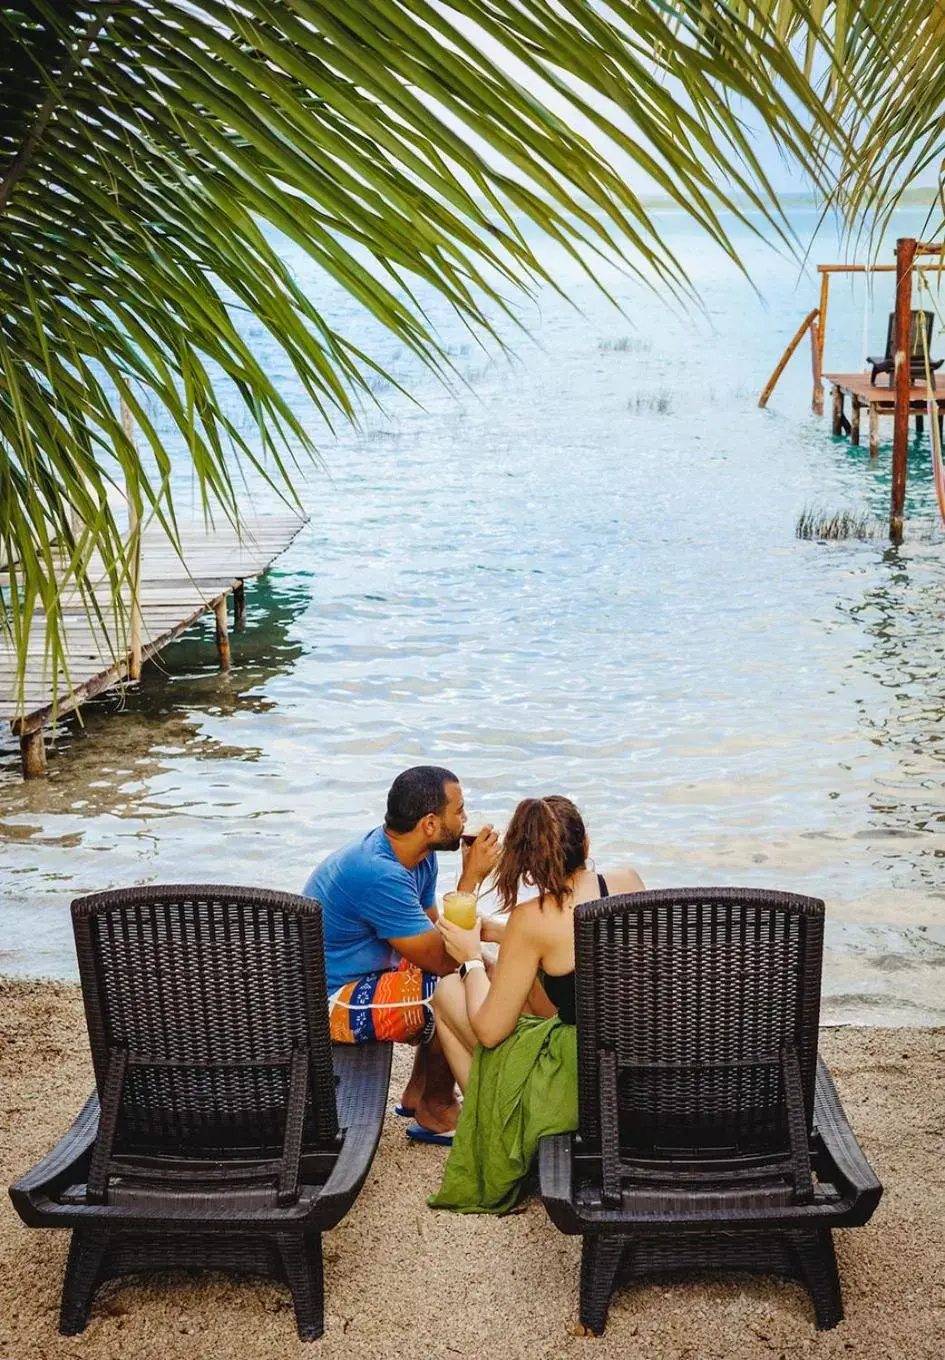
(518,1091)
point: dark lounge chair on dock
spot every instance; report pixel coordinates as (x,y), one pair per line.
(917,348)
(711,1136)
(224,1132)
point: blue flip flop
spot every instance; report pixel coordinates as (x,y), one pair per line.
(405,1111)
(418,1134)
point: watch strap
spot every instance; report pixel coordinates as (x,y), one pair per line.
(470,963)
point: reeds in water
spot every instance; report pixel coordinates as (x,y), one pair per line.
(627,344)
(838,524)
(659,401)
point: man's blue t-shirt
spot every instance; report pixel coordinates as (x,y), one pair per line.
(368,898)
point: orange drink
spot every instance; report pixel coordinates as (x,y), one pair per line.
(460,908)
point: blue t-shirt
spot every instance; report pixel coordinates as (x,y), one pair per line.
(368,898)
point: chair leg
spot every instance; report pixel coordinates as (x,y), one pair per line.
(301,1258)
(83,1273)
(600,1258)
(818,1264)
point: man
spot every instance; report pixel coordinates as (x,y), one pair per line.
(383,954)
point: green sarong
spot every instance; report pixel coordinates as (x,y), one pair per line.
(518,1091)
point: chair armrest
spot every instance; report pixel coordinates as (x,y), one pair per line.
(363,1072)
(830,1121)
(59,1168)
(556,1179)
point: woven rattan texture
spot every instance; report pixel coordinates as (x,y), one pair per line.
(695,993)
(208,991)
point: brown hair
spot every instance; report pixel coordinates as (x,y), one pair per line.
(544,844)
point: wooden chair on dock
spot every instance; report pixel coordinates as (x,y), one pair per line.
(224,1132)
(917,348)
(710,1135)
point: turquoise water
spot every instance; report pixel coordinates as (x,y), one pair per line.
(578,573)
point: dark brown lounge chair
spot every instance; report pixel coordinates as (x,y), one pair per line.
(887,364)
(711,1136)
(224,1132)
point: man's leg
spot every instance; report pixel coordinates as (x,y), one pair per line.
(437,1107)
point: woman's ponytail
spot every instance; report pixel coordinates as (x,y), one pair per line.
(543,846)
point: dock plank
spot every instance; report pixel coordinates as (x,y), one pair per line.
(176,589)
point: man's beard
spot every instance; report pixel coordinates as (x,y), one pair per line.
(451,844)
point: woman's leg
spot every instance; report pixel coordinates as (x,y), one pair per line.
(453,1028)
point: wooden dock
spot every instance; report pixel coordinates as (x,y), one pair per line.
(172,595)
(877,400)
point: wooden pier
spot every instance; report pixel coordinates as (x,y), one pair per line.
(172,594)
(877,400)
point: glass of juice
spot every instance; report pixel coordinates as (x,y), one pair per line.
(460,908)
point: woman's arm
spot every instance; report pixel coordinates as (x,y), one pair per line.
(494,1008)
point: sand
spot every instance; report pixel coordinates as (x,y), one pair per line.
(402,1280)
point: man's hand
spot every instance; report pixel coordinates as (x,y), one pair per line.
(479,859)
(461,945)
(493,930)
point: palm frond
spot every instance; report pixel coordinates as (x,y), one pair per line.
(145,149)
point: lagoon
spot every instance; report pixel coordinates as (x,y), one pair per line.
(579,573)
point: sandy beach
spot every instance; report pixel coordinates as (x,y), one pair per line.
(402,1280)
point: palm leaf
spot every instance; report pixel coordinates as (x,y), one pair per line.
(144,150)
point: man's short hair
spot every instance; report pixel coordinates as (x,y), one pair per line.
(415,794)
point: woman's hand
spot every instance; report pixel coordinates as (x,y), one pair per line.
(461,945)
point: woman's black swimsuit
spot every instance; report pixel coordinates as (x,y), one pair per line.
(559,988)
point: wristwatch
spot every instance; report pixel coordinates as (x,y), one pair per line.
(470,963)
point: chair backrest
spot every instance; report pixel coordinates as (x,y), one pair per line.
(916,348)
(204,1005)
(694,1009)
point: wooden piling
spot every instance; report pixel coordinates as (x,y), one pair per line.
(874,432)
(837,423)
(239,605)
(134,544)
(33,754)
(817,403)
(905,255)
(855,421)
(223,637)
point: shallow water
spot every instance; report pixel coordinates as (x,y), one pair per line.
(579,575)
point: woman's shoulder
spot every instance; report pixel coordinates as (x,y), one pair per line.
(622,881)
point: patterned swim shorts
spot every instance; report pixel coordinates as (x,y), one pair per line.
(393,1005)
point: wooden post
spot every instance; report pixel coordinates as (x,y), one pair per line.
(818,399)
(33,754)
(809,319)
(905,254)
(239,605)
(874,431)
(837,425)
(855,421)
(223,637)
(134,542)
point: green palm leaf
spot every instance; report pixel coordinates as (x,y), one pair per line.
(145,147)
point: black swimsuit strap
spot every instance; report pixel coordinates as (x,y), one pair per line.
(602,885)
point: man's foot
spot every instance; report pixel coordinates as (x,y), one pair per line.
(438,1118)
(410,1099)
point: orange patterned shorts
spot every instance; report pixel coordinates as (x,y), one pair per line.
(394,1004)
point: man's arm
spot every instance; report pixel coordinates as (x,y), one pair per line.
(426,950)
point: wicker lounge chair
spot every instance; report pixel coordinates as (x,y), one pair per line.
(710,1135)
(224,1133)
(887,364)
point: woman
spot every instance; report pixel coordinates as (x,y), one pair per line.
(511,1042)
